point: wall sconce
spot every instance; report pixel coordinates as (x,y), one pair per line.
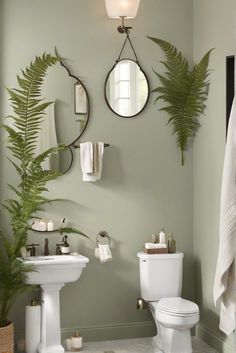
(122,9)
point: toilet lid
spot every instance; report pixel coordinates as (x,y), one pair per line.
(178,306)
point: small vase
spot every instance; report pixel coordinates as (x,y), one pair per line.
(171,244)
(7,338)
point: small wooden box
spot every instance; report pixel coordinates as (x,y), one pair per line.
(156,251)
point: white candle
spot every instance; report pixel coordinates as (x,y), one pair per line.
(42,226)
(50,226)
(68,344)
(76,342)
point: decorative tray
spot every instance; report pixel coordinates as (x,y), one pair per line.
(156,251)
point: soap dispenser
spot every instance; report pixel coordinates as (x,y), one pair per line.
(162,237)
(65,248)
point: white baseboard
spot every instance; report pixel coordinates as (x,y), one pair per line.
(216,340)
(107,332)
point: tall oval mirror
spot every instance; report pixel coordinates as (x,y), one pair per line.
(127,88)
(66,118)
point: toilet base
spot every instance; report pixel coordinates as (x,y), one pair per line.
(156,341)
(175,341)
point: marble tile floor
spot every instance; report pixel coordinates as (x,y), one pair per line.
(137,345)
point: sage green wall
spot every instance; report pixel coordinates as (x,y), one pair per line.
(214,26)
(144,187)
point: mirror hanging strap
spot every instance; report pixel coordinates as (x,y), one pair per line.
(127,39)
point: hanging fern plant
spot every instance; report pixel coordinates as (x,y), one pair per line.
(184,91)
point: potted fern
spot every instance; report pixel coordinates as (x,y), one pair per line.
(184,91)
(29,193)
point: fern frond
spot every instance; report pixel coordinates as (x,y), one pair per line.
(71,230)
(184,91)
(27,105)
(53,150)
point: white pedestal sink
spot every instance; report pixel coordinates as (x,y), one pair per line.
(51,273)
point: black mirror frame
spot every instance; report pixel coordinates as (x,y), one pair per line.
(87,97)
(148,84)
(71,161)
(71,145)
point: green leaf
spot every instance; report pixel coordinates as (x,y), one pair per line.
(183,91)
(71,230)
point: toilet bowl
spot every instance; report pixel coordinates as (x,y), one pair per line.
(174,319)
(161,285)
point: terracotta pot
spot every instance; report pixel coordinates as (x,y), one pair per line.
(7,339)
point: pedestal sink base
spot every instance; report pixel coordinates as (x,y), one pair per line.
(51,328)
(54,349)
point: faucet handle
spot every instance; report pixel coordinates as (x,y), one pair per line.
(31,248)
(58,249)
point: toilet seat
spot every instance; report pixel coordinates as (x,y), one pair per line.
(177,307)
(176,312)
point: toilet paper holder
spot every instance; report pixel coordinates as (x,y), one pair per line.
(103,238)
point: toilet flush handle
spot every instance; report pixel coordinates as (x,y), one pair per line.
(141,304)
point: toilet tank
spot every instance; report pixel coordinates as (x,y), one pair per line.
(160,275)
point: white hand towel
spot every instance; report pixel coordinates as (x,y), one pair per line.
(97,253)
(225,277)
(155,246)
(86,157)
(96,160)
(104,253)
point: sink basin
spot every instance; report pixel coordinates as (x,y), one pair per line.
(55,269)
(52,272)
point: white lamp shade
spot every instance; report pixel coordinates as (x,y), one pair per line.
(122,8)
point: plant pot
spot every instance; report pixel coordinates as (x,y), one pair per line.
(7,339)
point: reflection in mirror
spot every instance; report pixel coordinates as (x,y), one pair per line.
(61,161)
(80,99)
(71,104)
(66,118)
(127,89)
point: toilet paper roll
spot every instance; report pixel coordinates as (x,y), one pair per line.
(32,328)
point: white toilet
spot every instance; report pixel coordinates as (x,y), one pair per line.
(161,286)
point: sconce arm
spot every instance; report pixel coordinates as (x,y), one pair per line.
(122,28)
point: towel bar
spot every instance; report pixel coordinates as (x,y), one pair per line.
(78,146)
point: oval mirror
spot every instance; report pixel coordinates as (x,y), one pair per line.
(127,88)
(67,117)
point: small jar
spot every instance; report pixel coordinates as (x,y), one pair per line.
(171,244)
